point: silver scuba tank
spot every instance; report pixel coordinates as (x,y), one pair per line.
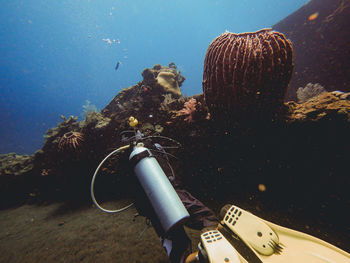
(166,203)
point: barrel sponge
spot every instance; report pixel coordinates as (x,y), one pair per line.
(168,81)
(247,73)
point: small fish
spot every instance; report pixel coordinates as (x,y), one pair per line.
(117,66)
(107,40)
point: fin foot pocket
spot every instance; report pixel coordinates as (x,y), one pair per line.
(252,230)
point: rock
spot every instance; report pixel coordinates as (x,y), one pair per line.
(215,158)
(321,45)
(95,120)
(328,105)
(12,164)
(148,75)
(159,83)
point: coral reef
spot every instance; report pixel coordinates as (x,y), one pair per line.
(166,101)
(88,108)
(268,166)
(247,74)
(147,94)
(72,150)
(326,106)
(310,90)
(53,135)
(12,164)
(321,45)
(189,110)
(168,82)
(15,174)
(94,120)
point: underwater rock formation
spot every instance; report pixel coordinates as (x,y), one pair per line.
(333,105)
(94,121)
(73,149)
(247,74)
(320,34)
(12,164)
(147,99)
(14,173)
(303,156)
(53,135)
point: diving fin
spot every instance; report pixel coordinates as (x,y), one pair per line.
(272,243)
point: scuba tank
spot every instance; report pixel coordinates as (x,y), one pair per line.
(166,203)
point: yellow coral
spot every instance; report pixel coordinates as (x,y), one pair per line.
(168,82)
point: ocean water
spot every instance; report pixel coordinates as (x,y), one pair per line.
(56,55)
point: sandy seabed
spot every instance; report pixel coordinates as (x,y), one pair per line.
(60,233)
(77,232)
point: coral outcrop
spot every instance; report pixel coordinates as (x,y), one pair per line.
(247,74)
(320,43)
(15,170)
(12,164)
(333,105)
(159,83)
(267,166)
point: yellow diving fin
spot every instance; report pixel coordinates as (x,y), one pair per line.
(272,243)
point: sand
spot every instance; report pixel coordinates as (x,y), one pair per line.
(60,233)
(79,232)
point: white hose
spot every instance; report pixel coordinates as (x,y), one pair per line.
(93,182)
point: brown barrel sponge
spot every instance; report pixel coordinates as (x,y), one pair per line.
(247,74)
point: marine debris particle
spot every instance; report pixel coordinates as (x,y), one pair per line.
(313,16)
(247,72)
(262,187)
(110,42)
(107,40)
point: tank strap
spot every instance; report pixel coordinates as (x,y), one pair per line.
(138,157)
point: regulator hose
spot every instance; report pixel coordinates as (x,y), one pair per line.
(93,183)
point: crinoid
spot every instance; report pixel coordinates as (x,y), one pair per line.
(71,141)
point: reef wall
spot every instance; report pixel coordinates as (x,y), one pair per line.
(292,167)
(320,35)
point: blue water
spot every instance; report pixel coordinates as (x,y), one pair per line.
(53,57)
